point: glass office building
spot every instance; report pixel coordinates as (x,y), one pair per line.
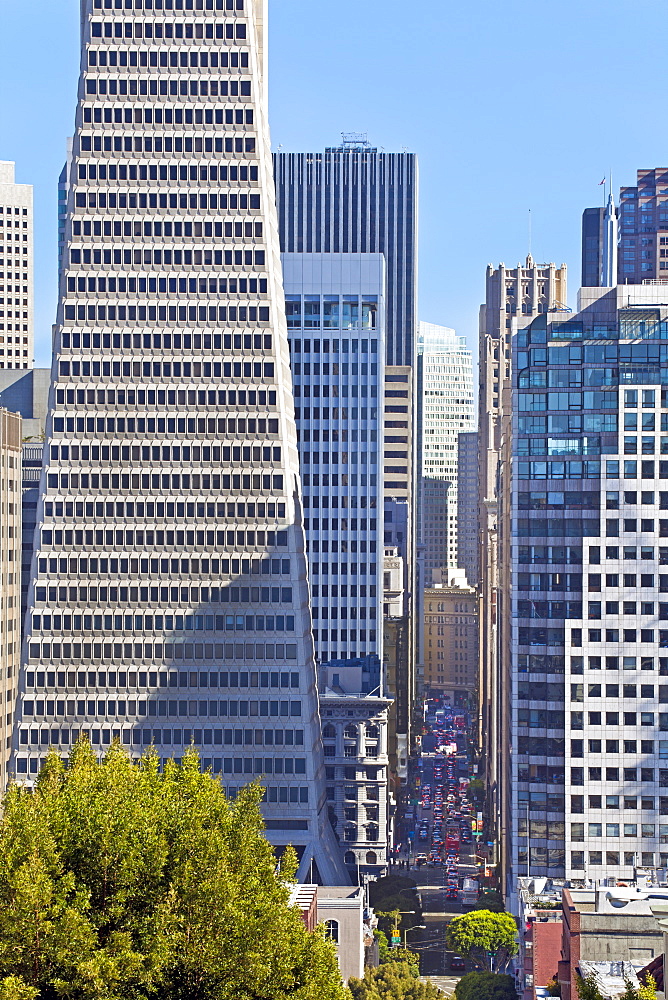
(588,638)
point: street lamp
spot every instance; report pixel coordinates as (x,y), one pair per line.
(396,934)
(417,927)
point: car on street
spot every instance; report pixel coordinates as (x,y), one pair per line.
(457,964)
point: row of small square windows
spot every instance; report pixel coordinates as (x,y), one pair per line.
(143,595)
(139,29)
(180,709)
(148,143)
(195,87)
(205,58)
(163,653)
(195,172)
(172,679)
(9,210)
(234,5)
(202,286)
(148,116)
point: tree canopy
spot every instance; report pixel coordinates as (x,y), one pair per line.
(588,989)
(490,900)
(483,935)
(118,882)
(395,893)
(392,981)
(485,986)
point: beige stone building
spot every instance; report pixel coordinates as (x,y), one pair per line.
(400,604)
(514,298)
(451,641)
(10,581)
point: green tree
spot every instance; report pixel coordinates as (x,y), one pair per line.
(647,989)
(588,988)
(477,789)
(553,987)
(644,991)
(396,892)
(392,981)
(492,901)
(404,955)
(388,921)
(485,986)
(118,882)
(13,988)
(488,938)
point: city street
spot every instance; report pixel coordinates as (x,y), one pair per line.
(442,847)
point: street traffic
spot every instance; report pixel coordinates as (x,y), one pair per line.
(437,834)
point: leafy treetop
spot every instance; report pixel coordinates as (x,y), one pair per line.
(483,935)
(392,981)
(118,882)
(485,986)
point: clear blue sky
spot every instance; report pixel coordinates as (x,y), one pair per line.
(511,107)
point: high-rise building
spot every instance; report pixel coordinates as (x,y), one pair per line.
(586,636)
(10,580)
(27,393)
(592,246)
(468,556)
(514,297)
(445,410)
(169,598)
(335,314)
(635,234)
(355,736)
(643,228)
(16,271)
(335,305)
(64,182)
(400,524)
(451,642)
(600,238)
(355,199)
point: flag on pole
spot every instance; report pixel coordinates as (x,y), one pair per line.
(602,182)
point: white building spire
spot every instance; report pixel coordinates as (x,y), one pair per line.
(610,238)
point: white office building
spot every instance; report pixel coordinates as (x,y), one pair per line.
(169,600)
(335,304)
(16,271)
(445,401)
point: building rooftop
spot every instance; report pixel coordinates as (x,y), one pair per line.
(329,892)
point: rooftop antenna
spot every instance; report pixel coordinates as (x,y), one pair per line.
(355,140)
(529,232)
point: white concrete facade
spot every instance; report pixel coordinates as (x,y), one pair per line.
(335,307)
(17,334)
(446,410)
(169,600)
(336,330)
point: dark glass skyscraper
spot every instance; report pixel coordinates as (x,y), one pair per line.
(355,199)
